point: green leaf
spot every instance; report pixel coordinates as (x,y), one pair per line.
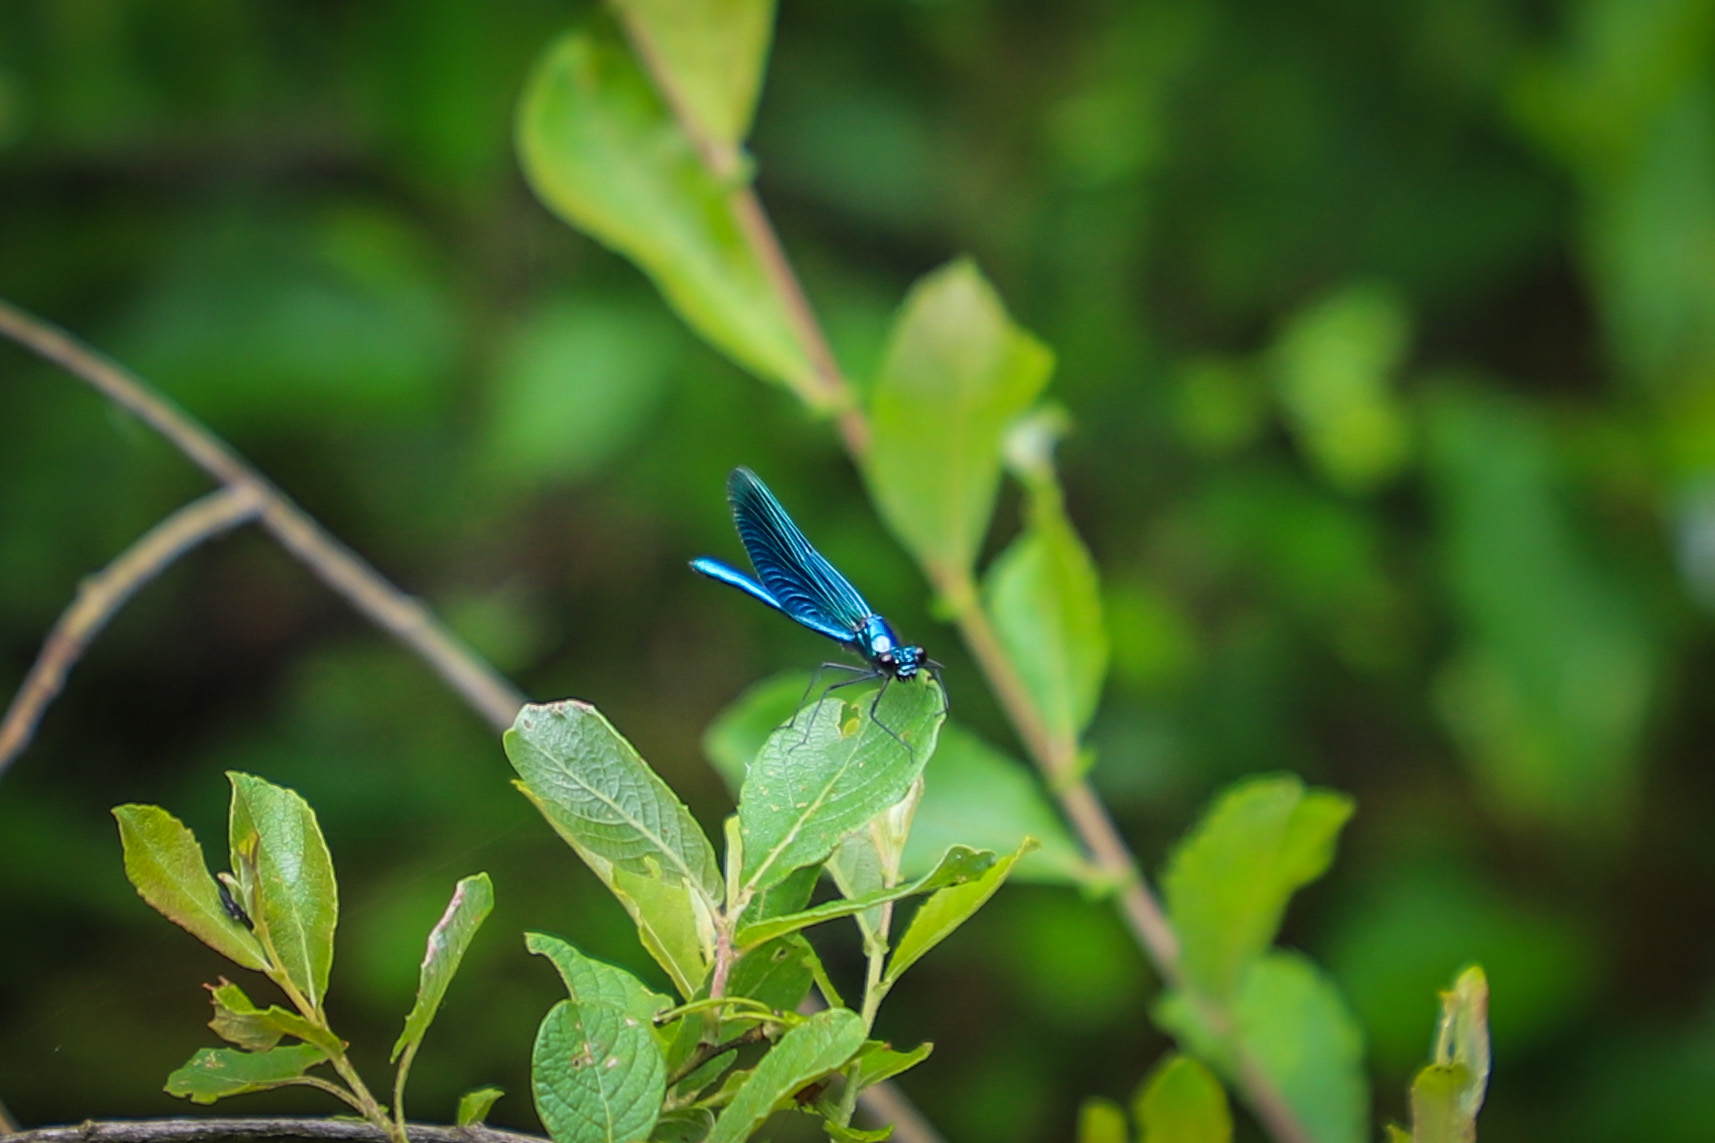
(1335,365)
(841,1134)
(1398,1135)
(293,888)
(709,53)
(941,914)
(473,899)
(164,861)
(1047,607)
(1183,1102)
(597,1074)
(813,1049)
(778,974)
(867,862)
(975,795)
(815,782)
(738,732)
(217,1072)
(1290,1023)
(877,1061)
(237,1020)
(594,787)
(601,149)
(956,372)
(1101,1121)
(960,865)
(474,1105)
(689,1125)
(590,981)
(625,823)
(1229,881)
(1446,1095)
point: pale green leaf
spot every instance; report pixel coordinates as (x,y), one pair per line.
(819,1045)
(817,781)
(1183,1102)
(958,866)
(1046,602)
(1396,1134)
(597,1074)
(1229,881)
(1334,365)
(473,899)
(1290,1023)
(944,912)
(281,859)
(474,1105)
(165,863)
(1435,1114)
(590,981)
(956,372)
(214,1073)
(1101,1121)
(1462,1038)
(878,1061)
(977,796)
(738,732)
(840,1134)
(710,53)
(601,148)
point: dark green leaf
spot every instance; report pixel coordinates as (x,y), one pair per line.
(944,912)
(217,1072)
(602,149)
(956,372)
(779,974)
(691,1125)
(473,898)
(818,1046)
(709,53)
(474,1105)
(1183,1102)
(817,781)
(276,840)
(165,863)
(738,732)
(597,1074)
(1229,881)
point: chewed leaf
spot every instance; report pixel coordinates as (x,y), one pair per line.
(165,863)
(217,1072)
(279,854)
(473,899)
(597,1074)
(818,780)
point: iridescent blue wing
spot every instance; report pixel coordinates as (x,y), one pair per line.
(802,583)
(727,574)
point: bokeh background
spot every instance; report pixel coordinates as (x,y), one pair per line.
(1388,332)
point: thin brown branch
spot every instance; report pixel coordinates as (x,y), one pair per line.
(403,617)
(101,596)
(223,1130)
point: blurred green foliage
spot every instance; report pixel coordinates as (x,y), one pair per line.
(1385,335)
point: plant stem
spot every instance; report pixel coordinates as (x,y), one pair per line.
(225,1130)
(101,596)
(341,569)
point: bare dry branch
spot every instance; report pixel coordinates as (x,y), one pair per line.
(238,1129)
